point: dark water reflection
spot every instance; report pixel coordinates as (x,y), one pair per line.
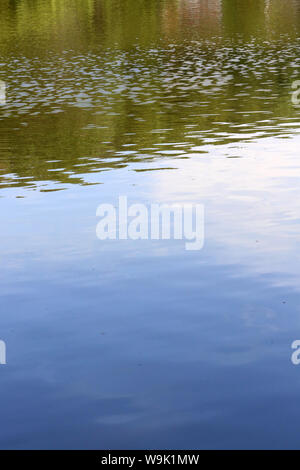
(113,99)
(139,344)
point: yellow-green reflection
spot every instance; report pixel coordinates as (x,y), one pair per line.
(94,85)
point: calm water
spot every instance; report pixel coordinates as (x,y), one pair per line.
(141,344)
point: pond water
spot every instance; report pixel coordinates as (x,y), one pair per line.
(142,344)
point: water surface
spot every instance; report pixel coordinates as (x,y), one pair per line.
(141,344)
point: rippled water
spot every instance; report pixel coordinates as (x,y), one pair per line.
(141,344)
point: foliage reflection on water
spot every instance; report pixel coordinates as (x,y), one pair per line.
(97,85)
